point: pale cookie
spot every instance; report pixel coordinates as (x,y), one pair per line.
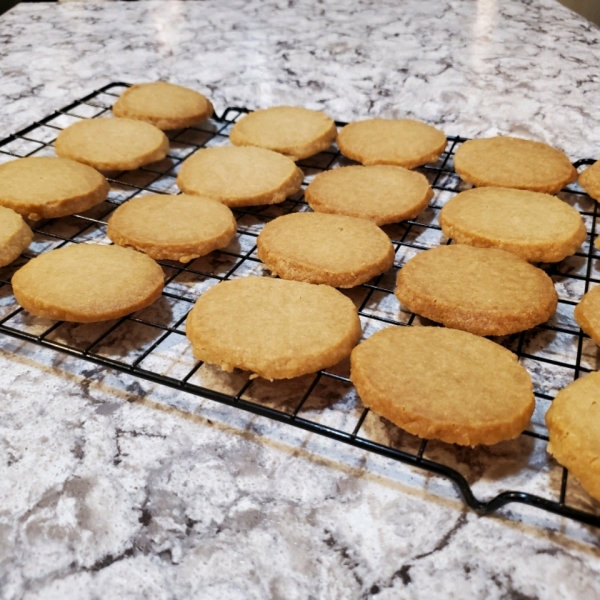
(291,130)
(164,105)
(481,290)
(240,176)
(589,180)
(172,227)
(333,249)
(278,329)
(537,227)
(514,163)
(443,384)
(587,314)
(383,193)
(86,283)
(15,235)
(112,144)
(573,423)
(45,187)
(402,142)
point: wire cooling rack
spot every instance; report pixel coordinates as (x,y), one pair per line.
(151,343)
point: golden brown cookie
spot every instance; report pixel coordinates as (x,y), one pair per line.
(589,180)
(278,329)
(587,313)
(240,176)
(45,187)
(172,227)
(537,227)
(318,248)
(87,283)
(481,290)
(514,163)
(291,130)
(164,105)
(15,235)
(402,142)
(573,423)
(382,193)
(443,384)
(112,144)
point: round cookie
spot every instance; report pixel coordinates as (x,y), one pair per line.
(537,227)
(573,423)
(276,328)
(46,187)
(240,176)
(164,105)
(172,227)
(382,193)
(587,314)
(589,180)
(291,130)
(86,283)
(402,142)
(112,144)
(481,290)
(514,163)
(15,235)
(443,384)
(318,248)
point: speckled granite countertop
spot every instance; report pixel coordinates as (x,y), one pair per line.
(111,487)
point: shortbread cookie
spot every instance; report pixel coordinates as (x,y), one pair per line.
(537,227)
(481,290)
(589,180)
(514,163)
(87,283)
(15,235)
(172,227)
(164,105)
(573,423)
(382,193)
(587,314)
(443,384)
(278,329)
(45,187)
(240,176)
(112,144)
(333,249)
(291,130)
(402,142)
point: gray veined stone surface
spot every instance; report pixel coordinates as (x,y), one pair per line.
(111,487)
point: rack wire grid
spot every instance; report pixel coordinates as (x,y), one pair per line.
(151,343)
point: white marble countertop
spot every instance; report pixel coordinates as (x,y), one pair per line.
(111,487)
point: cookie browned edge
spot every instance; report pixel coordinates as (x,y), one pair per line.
(581,318)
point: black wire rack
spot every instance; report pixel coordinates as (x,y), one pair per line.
(151,343)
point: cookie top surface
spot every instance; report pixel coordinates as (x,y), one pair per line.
(481,290)
(15,235)
(319,248)
(164,105)
(589,180)
(402,142)
(276,328)
(443,384)
(514,163)
(382,193)
(172,227)
(87,282)
(587,313)
(291,130)
(573,423)
(46,187)
(244,176)
(537,227)
(112,144)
